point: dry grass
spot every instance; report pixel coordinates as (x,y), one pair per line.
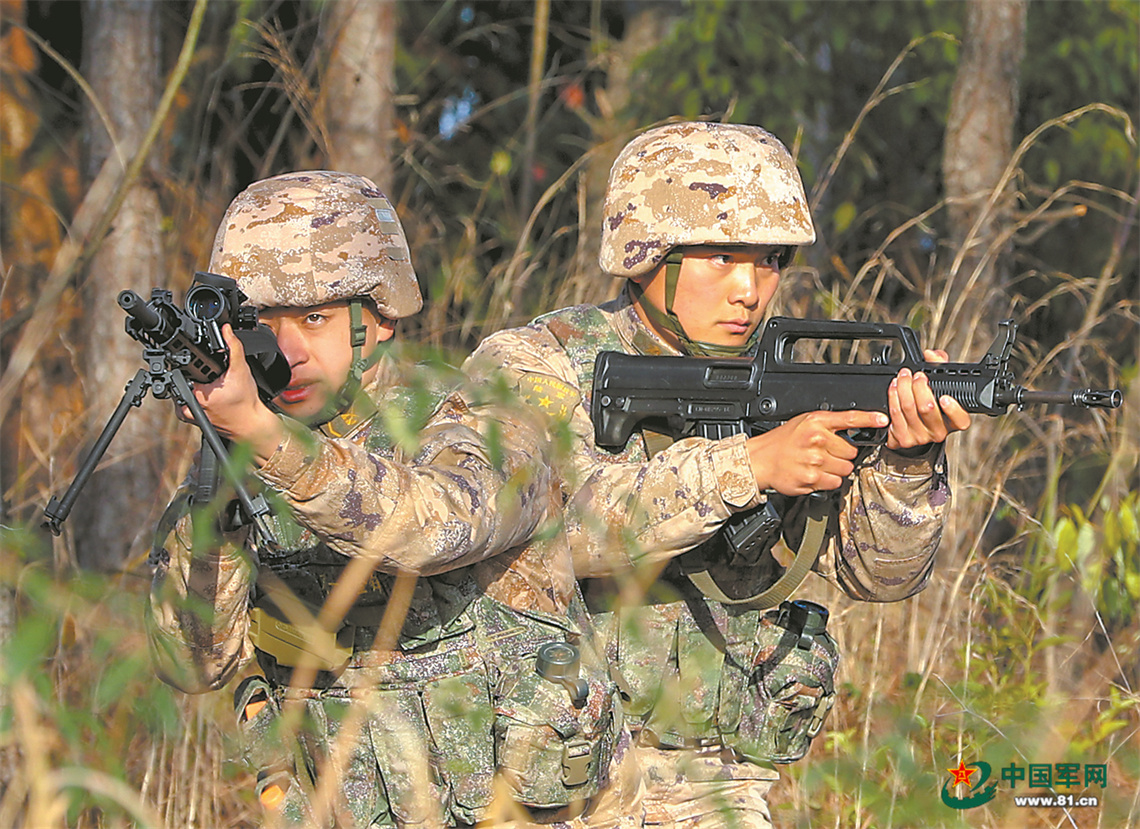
(1010,654)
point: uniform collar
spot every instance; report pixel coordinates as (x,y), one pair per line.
(363,407)
(638,337)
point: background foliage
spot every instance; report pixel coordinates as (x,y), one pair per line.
(1023,648)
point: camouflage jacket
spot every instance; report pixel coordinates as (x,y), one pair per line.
(425,509)
(630,508)
(464,501)
(696,671)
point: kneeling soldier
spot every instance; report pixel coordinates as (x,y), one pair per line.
(421,640)
(722,678)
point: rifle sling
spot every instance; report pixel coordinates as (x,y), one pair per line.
(815,534)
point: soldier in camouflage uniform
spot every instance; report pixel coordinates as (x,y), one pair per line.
(412,583)
(719,684)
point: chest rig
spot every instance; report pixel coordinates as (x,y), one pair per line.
(298,567)
(462,694)
(699,665)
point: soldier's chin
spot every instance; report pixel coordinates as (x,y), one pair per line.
(307,411)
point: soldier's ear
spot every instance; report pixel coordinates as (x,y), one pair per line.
(385,326)
(385,330)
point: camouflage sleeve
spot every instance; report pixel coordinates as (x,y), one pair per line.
(619,513)
(468,492)
(198,604)
(889,525)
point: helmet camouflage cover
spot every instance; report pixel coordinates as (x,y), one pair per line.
(700,183)
(314,237)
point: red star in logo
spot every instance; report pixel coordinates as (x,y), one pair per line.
(961,774)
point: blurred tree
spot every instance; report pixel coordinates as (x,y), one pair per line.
(976,159)
(39,182)
(359,39)
(121,62)
(646,25)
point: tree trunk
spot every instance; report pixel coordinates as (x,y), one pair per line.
(978,148)
(116,512)
(647,24)
(979,144)
(360,40)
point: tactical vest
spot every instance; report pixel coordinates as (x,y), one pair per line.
(462,687)
(696,671)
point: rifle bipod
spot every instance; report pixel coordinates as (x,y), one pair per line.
(163,383)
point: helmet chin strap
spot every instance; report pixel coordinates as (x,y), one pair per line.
(669,321)
(338,416)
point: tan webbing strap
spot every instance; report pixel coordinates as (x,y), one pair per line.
(815,534)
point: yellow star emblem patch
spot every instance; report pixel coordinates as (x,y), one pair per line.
(549,395)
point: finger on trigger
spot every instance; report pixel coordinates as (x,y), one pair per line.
(859,419)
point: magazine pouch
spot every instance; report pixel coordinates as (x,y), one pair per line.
(555,727)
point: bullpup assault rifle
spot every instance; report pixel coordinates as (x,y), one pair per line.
(180,346)
(800,366)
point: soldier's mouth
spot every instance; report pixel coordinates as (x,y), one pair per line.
(295,394)
(736,326)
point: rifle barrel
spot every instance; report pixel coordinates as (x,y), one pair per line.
(1089,398)
(136,306)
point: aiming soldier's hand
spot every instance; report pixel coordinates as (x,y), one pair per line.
(807,454)
(232,404)
(917,419)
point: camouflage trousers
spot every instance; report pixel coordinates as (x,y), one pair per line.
(704,788)
(617,806)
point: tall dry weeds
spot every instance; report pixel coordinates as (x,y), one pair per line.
(1009,653)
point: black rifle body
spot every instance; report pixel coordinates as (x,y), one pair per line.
(718,397)
(192,337)
(183,345)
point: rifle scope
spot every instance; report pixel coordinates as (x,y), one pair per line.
(206,303)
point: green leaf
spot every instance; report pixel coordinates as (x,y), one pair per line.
(1086,543)
(844,216)
(500,162)
(1065,543)
(1132,584)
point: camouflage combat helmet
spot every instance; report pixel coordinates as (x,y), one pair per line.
(308,238)
(699,183)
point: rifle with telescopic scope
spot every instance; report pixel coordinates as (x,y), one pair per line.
(183,345)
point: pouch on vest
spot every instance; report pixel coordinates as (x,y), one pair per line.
(554,734)
(258,716)
(792,684)
(646,636)
(687,704)
(432,739)
(276,757)
(460,718)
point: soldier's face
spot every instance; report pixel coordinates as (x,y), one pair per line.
(317,343)
(722,292)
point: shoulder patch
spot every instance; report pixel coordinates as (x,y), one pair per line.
(553,397)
